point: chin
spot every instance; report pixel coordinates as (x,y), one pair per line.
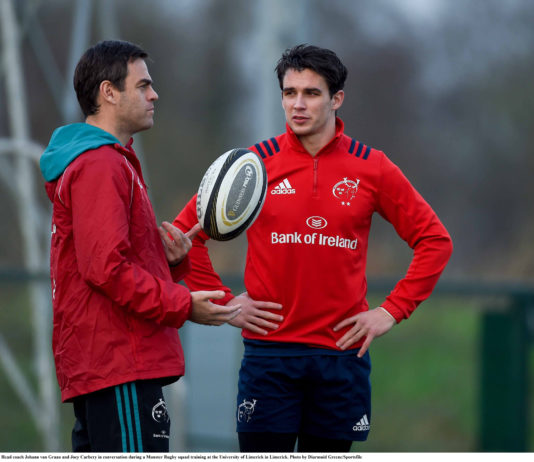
(300,131)
(147,125)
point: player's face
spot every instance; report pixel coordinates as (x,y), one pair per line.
(135,107)
(307,104)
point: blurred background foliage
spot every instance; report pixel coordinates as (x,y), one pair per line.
(441,86)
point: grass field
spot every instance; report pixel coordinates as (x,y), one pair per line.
(425,381)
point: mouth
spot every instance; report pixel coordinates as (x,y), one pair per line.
(299,119)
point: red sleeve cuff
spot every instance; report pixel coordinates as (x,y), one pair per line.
(182,269)
(393,311)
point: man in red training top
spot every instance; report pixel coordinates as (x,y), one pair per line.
(116,303)
(306,323)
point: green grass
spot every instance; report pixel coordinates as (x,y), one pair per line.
(425,380)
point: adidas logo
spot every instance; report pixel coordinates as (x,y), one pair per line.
(283,188)
(362,425)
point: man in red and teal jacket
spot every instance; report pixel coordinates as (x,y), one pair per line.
(116,304)
(306,322)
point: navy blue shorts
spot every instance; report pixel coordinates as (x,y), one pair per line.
(305,390)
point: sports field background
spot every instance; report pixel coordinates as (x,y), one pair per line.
(425,383)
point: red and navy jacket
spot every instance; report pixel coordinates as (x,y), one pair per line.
(307,250)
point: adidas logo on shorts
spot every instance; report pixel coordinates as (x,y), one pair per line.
(362,425)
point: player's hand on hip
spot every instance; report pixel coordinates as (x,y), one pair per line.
(254,315)
(206,312)
(175,242)
(369,324)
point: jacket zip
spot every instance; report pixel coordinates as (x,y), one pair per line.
(315,175)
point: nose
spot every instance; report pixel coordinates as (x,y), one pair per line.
(299,101)
(153,96)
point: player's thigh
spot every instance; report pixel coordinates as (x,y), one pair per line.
(338,400)
(269,395)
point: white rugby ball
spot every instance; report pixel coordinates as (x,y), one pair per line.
(231,194)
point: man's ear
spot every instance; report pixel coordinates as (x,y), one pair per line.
(108,92)
(337,100)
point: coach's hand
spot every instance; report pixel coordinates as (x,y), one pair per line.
(369,324)
(206,312)
(254,316)
(175,242)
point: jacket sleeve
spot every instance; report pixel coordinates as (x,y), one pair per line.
(202,275)
(101,193)
(418,225)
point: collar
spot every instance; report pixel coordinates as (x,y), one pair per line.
(331,145)
(128,151)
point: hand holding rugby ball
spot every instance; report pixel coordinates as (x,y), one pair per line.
(231,194)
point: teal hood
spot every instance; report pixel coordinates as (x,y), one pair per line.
(67,143)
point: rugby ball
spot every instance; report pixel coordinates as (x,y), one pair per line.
(231,194)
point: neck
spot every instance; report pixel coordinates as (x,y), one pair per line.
(313,143)
(100,122)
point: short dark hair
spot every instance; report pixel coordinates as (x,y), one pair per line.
(107,60)
(321,60)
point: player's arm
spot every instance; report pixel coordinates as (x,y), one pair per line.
(253,315)
(202,275)
(418,225)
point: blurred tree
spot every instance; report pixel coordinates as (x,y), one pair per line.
(444,92)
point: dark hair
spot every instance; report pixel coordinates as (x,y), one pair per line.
(107,60)
(321,60)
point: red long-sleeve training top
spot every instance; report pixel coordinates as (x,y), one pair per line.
(307,250)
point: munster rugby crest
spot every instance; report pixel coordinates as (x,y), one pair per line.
(245,410)
(159,412)
(345,190)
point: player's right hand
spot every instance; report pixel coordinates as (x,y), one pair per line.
(254,315)
(208,313)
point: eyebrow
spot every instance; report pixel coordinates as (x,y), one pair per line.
(305,89)
(145,82)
